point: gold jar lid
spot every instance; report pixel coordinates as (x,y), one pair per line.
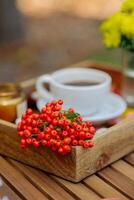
(10,92)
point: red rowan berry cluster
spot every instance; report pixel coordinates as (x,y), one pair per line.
(55,128)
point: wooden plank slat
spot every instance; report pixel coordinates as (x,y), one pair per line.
(79,190)
(81,162)
(110,145)
(19,182)
(118,180)
(130,158)
(43,182)
(124,168)
(51,162)
(6,192)
(103,188)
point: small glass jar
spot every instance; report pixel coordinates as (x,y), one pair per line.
(128,77)
(12,101)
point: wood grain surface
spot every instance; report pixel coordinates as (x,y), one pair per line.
(107,183)
(111,145)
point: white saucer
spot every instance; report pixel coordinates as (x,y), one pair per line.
(113,108)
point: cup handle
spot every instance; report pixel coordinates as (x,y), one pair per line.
(42,91)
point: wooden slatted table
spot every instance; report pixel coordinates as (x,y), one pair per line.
(18,181)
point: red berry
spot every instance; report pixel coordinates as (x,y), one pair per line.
(57,137)
(52,141)
(67,140)
(41,136)
(81,142)
(86,145)
(48,104)
(68,128)
(79,118)
(71,110)
(67,122)
(55,122)
(44,142)
(72,137)
(67,148)
(43,109)
(74,124)
(27,133)
(88,123)
(19,127)
(61,122)
(29,128)
(82,135)
(21,133)
(25,127)
(35,130)
(51,126)
(48,112)
(48,143)
(85,129)
(34,123)
(48,119)
(29,111)
(55,114)
(60,150)
(33,140)
(72,131)
(24,116)
(36,144)
(36,116)
(23,122)
(54,102)
(60,115)
(92,130)
(90,144)
(43,116)
(47,130)
(23,142)
(57,108)
(29,121)
(60,102)
(78,127)
(88,135)
(53,133)
(47,136)
(29,141)
(40,124)
(58,144)
(74,142)
(64,133)
(84,124)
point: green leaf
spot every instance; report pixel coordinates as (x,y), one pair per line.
(71,115)
(127,43)
(45,124)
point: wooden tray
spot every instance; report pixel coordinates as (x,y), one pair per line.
(110,145)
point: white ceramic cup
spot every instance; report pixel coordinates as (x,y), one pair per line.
(85,99)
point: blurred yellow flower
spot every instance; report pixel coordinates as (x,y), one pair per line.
(127,26)
(112,39)
(111,23)
(128,6)
(111,30)
(118,30)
